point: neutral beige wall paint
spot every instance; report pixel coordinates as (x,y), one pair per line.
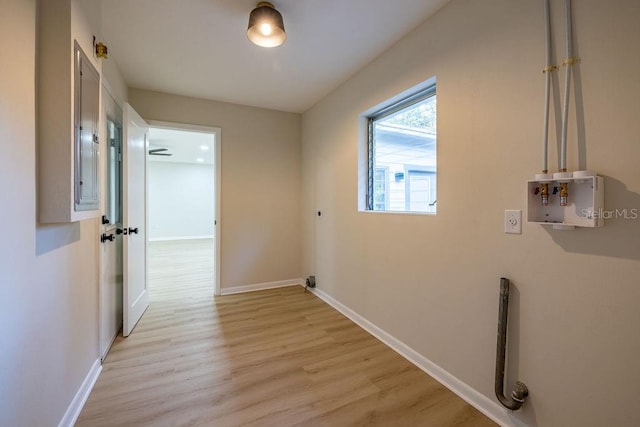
(48,298)
(260,207)
(115,83)
(432,281)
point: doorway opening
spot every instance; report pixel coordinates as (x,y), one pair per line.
(183,211)
(126,288)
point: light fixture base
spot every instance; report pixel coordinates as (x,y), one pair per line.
(266,27)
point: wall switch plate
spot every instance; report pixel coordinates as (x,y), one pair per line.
(513,221)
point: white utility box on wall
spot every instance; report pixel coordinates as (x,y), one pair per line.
(584,200)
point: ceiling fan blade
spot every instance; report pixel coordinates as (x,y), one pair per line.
(159,152)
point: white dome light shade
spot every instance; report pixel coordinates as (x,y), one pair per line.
(266,27)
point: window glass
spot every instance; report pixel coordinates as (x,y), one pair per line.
(114,172)
(402,156)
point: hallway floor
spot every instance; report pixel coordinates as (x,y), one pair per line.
(272,358)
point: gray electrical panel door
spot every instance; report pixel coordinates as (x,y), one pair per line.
(87,111)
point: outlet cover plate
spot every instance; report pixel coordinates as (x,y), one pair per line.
(513,221)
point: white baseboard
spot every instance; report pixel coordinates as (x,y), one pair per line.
(171,239)
(113,339)
(73,411)
(260,286)
(491,409)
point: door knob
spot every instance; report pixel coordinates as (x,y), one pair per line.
(121,231)
(133,230)
(105,237)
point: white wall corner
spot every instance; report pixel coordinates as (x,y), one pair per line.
(482,403)
(260,286)
(73,411)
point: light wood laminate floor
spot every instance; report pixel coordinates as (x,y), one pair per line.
(272,358)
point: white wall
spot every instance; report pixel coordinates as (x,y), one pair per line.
(259,227)
(432,281)
(48,274)
(115,83)
(181,200)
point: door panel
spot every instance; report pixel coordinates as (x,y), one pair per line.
(134,156)
(420,192)
(111,292)
(87,94)
(111,251)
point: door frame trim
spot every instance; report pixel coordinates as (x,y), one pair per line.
(217,148)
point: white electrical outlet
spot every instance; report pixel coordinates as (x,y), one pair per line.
(513,221)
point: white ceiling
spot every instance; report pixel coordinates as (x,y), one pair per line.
(185,146)
(199,47)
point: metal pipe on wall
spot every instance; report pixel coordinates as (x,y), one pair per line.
(548,69)
(567,85)
(520,391)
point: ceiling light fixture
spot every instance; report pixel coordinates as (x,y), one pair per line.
(266,27)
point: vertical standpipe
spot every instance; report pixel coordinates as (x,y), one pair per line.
(520,391)
(568,63)
(547,70)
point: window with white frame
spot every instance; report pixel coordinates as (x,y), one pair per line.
(401,150)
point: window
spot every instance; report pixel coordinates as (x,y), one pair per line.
(402,155)
(380,188)
(114,172)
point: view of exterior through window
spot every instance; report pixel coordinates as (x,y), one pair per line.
(402,156)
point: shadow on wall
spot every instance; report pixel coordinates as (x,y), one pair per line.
(557,100)
(621,232)
(52,237)
(512,369)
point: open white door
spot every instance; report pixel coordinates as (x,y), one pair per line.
(134,212)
